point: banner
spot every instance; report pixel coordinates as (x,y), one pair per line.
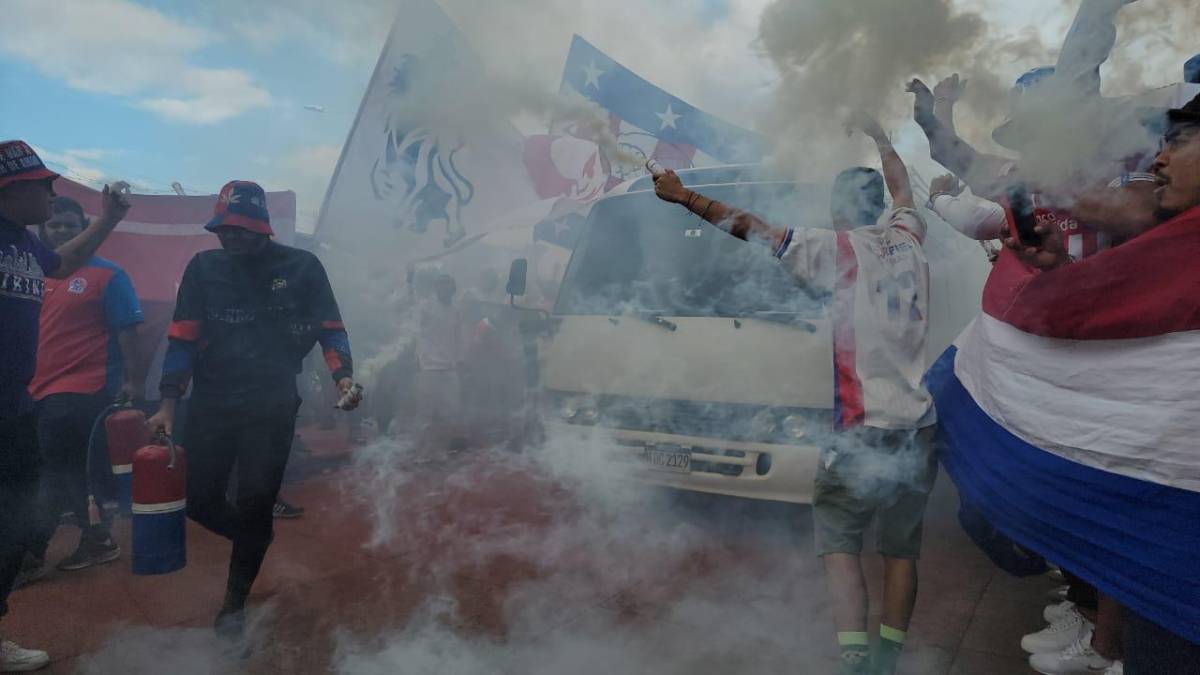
(427,163)
(154,244)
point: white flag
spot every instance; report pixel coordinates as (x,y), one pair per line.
(428,162)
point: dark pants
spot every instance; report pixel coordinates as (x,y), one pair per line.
(256,436)
(19,468)
(1081,592)
(64,430)
(1151,649)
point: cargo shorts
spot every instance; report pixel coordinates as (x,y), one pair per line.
(874,474)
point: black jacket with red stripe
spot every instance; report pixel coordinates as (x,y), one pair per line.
(243,325)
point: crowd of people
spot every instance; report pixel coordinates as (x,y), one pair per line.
(246,316)
(249,312)
(876,268)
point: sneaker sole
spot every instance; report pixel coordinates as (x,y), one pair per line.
(102,560)
(29,581)
(289,516)
(24,667)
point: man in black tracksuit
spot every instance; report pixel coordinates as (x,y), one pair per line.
(245,317)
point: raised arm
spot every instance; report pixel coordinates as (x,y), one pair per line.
(79,250)
(983,172)
(973,216)
(945,95)
(895,174)
(741,224)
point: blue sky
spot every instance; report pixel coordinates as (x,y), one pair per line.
(200,93)
(103,94)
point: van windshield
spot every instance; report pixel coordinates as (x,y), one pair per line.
(641,255)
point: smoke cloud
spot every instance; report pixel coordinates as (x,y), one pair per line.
(604,575)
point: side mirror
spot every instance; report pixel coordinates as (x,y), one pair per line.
(516,277)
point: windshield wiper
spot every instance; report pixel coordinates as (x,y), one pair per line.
(785,318)
(656,319)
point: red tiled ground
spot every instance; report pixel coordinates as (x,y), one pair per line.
(489,566)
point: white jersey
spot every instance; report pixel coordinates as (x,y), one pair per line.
(441,336)
(880,282)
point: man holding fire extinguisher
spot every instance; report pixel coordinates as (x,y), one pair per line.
(245,317)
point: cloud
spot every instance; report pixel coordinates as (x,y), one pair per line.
(306,170)
(119,48)
(77,164)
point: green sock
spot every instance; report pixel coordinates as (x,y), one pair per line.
(855,652)
(891,643)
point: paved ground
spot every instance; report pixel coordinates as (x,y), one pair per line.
(488,565)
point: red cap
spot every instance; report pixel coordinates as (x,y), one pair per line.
(19,162)
(243,204)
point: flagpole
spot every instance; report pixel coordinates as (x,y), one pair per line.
(337,170)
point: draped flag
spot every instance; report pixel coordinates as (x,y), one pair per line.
(1071,414)
(429,161)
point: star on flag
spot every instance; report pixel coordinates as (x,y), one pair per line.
(668,118)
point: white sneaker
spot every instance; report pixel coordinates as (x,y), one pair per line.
(1055,613)
(1058,593)
(1077,659)
(1057,636)
(14,659)
(1117,668)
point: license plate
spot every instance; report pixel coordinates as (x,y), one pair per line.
(673,459)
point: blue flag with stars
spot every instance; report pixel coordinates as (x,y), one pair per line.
(651,123)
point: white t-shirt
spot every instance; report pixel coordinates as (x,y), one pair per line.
(880,282)
(441,336)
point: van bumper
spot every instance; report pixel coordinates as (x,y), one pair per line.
(768,471)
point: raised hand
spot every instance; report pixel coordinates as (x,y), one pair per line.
(669,188)
(114,204)
(950,89)
(946,184)
(860,120)
(923,101)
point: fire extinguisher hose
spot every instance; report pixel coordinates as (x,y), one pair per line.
(91,446)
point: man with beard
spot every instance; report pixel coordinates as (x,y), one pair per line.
(245,317)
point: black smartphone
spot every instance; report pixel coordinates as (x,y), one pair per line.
(1020,208)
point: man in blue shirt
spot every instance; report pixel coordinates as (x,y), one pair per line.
(26,188)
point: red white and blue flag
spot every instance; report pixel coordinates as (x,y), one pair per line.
(647,122)
(1071,414)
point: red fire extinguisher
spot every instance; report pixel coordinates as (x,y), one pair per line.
(159,508)
(126,431)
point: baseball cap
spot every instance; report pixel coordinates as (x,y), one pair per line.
(243,204)
(1191,70)
(1009,133)
(1188,114)
(18,162)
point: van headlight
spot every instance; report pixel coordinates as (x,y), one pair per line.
(579,410)
(569,408)
(794,427)
(764,424)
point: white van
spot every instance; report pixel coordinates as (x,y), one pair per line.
(693,356)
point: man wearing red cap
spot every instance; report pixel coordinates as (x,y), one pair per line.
(26,188)
(245,317)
